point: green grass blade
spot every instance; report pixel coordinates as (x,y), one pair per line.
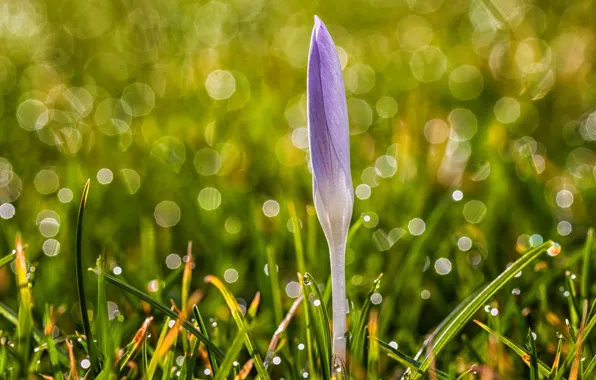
(155,358)
(203,328)
(231,356)
(93,357)
(590,367)
(185,291)
(136,342)
(12,317)
(571,354)
(407,361)
(7,259)
(358,333)
(352,232)
(555,368)
(188,367)
(275,292)
(531,343)
(372,368)
(454,325)
(162,308)
(297,238)
(403,268)
(49,340)
(102,319)
(587,252)
(314,294)
(25,318)
(3,359)
(167,369)
(241,323)
(319,319)
(521,352)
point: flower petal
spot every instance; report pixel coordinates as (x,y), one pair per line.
(329,137)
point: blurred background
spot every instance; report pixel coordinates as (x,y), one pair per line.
(472,133)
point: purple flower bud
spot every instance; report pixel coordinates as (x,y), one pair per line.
(329,137)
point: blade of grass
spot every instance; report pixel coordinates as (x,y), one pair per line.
(275,292)
(155,358)
(187,276)
(25,319)
(7,259)
(3,359)
(245,371)
(359,340)
(531,344)
(93,357)
(572,352)
(190,359)
(301,269)
(458,321)
(407,361)
(12,317)
(587,252)
(49,324)
(297,237)
(241,323)
(162,308)
(186,279)
(311,232)
(403,268)
(74,373)
(319,319)
(251,313)
(203,328)
(281,328)
(231,356)
(167,368)
(373,345)
(575,368)
(555,368)
(522,353)
(102,319)
(352,232)
(313,287)
(589,368)
(131,348)
(429,338)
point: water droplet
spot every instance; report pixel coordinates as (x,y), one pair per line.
(231,275)
(376,298)
(564,228)
(443,266)
(416,226)
(457,195)
(554,249)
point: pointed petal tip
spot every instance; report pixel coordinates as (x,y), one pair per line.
(318,21)
(319,25)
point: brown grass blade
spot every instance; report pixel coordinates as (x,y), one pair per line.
(74,375)
(281,328)
(580,337)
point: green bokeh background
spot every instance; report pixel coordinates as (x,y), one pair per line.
(135,86)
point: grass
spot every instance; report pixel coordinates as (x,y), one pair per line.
(495,157)
(365,355)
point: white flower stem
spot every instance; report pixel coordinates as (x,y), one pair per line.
(339,302)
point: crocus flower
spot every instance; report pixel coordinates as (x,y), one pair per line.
(329,141)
